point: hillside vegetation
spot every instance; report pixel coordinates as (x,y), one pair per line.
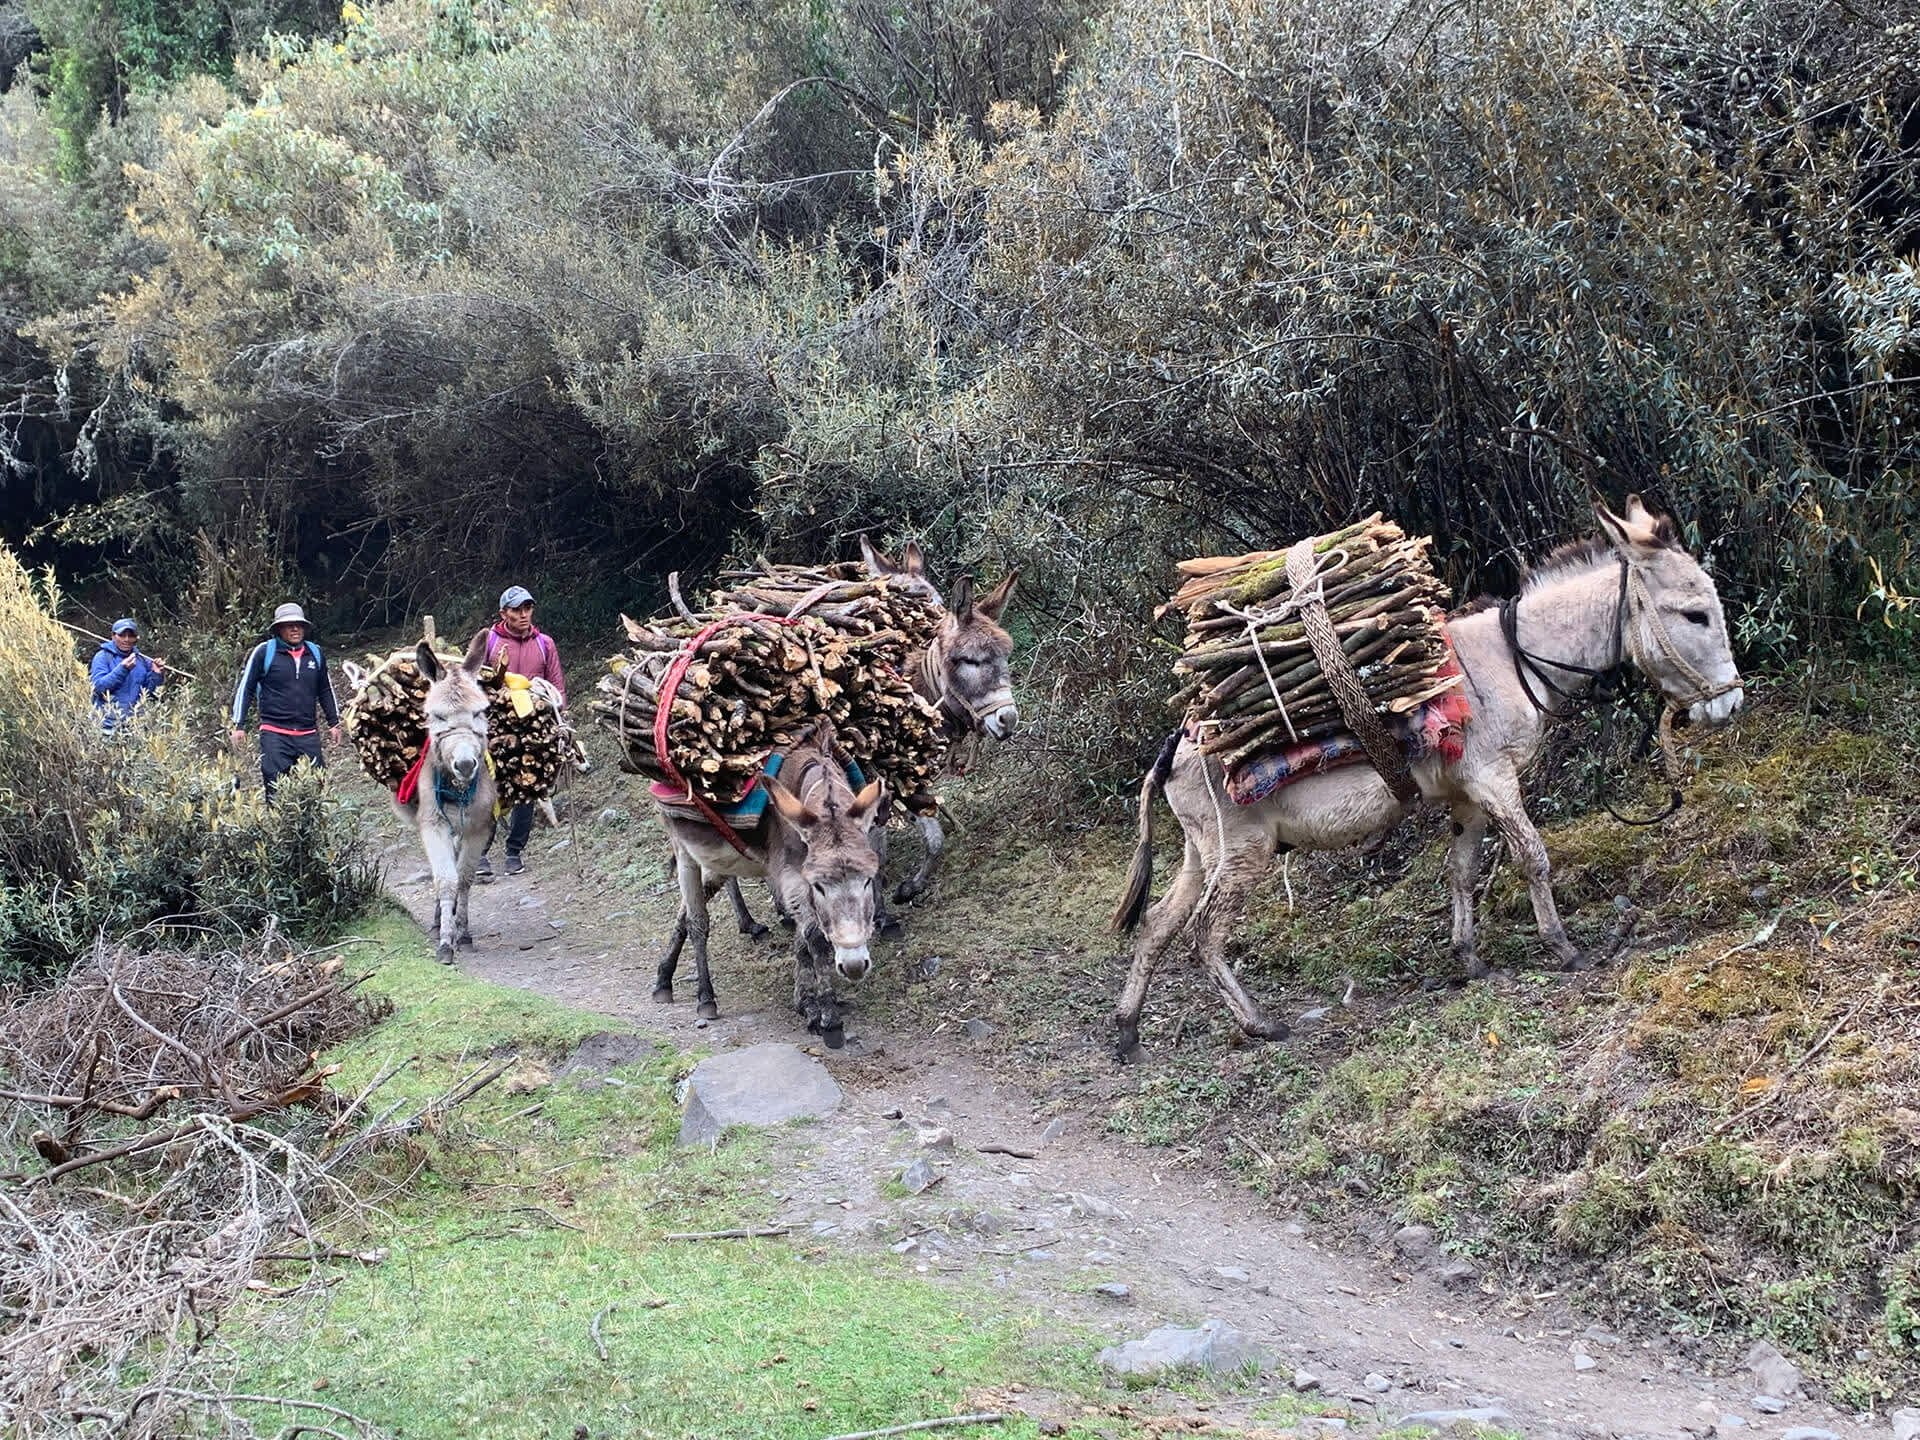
(598,289)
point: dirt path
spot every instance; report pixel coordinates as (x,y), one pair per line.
(1381,1330)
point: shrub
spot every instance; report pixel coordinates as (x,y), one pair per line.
(112,834)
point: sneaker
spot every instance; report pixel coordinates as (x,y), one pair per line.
(483,872)
(514,865)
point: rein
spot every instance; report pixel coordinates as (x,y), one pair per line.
(1605,683)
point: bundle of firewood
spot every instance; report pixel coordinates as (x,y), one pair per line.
(1251,682)
(387,719)
(755,684)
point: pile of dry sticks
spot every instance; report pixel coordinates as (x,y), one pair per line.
(1251,683)
(779,647)
(527,738)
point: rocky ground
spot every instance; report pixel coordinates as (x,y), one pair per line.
(944,1154)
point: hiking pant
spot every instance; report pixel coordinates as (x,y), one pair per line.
(279,754)
(519,830)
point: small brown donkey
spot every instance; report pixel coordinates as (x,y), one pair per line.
(1632,595)
(815,849)
(966,671)
(451,806)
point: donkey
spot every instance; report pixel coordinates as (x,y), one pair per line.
(1632,594)
(816,852)
(964,671)
(449,798)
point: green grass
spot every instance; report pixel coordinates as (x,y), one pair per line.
(528,1214)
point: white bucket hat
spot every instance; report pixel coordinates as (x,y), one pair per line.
(289,614)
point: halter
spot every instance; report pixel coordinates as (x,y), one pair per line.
(1635,598)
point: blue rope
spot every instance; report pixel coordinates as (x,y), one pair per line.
(445,796)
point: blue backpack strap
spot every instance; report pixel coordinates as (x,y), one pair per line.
(856,777)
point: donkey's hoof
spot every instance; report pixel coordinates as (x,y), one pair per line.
(755,931)
(889,925)
(708,1010)
(1269,1030)
(834,1036)
(1127,1048)
(466,942)
(786,922)
(1579,960)
(445,954)
(906,893)
(663,994)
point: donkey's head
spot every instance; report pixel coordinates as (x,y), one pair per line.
(833,825)
(456,715)
(909,571)
(1673,628)
(970,660)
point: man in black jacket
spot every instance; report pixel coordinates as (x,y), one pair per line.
(287,675)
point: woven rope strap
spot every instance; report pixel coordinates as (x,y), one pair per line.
(1356,707)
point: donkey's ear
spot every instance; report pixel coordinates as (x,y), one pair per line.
(960,601)
(789,806)
(912,560)
(476,657)
(878,563)
(1648,526)
(866,805)
(995,600)
(1636,530)
(427,662)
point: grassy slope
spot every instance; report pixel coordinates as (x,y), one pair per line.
(1586,1126)
(514,1228)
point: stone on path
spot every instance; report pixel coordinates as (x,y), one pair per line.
(919,1177)
(1443,1419)
(1906,1424)
(1768,1404)
(1458,1275)
(1377,1383)
(1809,1432)
(1233,1274)
(1215,1347)
(1305,1380)
(1777,1374)
(1114,1291)
(978,1029)
(1415,1242)
(760,1085)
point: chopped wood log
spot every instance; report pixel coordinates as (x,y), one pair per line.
(798,645)
(1250,681)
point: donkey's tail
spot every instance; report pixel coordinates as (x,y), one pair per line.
(1139,892)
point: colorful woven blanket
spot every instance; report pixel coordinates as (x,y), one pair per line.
(1436,728)
(745,813)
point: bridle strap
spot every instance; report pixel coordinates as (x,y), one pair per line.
(1524,659)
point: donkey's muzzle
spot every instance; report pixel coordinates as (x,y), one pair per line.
(1003,722)
(851,961)
(1718,709)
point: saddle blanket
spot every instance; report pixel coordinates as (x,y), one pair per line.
(1436,728)
(746,812)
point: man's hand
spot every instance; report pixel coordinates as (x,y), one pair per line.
(333,734)
(159,665)
(239,739)
(127,664)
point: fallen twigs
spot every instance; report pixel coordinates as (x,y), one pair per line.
(945,1422)
(764,1234)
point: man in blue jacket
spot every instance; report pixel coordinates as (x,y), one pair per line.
(122,676)
(287,676)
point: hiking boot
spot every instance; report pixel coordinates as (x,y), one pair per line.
(514,865)
(483,872)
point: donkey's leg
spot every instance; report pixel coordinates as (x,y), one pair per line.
(885,922)
(823,1017)
(669,962)
(936,842)
(1502,800)
(1214,925)
(693,909)
(1166,919)
(749,926)
(1463,872)
(446,884)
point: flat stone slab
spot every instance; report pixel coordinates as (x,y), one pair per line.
(1215,1347)
(766,1084)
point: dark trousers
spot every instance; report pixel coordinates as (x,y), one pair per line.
(519,829)
(280,753)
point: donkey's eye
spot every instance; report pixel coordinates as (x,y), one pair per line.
(1697,617)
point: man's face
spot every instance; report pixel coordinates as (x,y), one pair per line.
(126,640)
(519,619)
(292,633)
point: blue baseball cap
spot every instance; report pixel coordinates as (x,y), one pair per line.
(120,627)
(515,595)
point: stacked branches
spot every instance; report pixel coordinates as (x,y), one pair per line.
(527,737)
(1251,680)
(798,644)
(168,1142)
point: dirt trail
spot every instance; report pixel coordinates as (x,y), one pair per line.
(1085,1210)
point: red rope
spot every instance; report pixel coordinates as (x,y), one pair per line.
(663,715)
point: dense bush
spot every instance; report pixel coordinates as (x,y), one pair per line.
(111,835)
(600,289)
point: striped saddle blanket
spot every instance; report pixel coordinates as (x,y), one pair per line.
(747,812)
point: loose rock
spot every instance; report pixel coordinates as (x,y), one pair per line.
(1305,1380)
(1092,1207)
(1377,1383)
(1413,1241)
(1777,1374)
(1215,1347)
(919,1177)
(1809,1432)
(1232,1274)
(1906,1424)
(1768,1404)
(1458,1275)
(1443,1419)
(978,1029)
(1114,1292)
(761,1085)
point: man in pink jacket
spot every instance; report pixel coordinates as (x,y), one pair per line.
(531,653)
